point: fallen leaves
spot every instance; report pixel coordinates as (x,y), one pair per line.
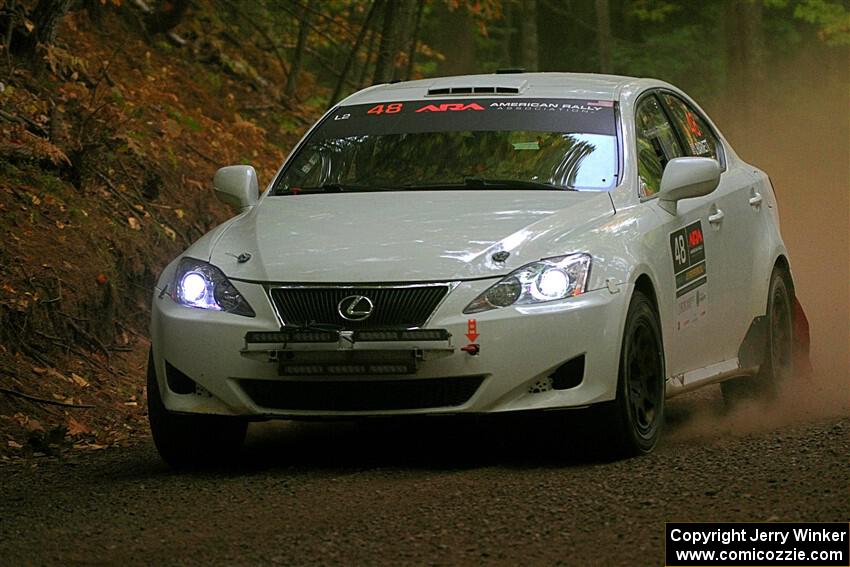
(77,428)
(134,223)
(79,380)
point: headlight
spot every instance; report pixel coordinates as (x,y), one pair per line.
(547,280)
(202,285)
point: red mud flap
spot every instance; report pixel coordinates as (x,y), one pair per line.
(802,361)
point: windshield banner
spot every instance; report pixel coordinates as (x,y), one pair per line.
(531,114)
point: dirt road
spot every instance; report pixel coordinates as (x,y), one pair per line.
(432,493)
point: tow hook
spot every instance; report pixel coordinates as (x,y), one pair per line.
(471,349)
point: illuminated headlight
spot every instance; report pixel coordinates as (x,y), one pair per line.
(203,286)
(547,280)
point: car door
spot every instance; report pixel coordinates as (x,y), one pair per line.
(739,220)
(685,249)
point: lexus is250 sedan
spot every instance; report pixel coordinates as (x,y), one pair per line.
(478,244)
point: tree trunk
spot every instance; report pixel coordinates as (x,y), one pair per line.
(383,65)
(45,17)
(414,40)
(166,16)
(506,44)
(404,33)
(353,53)
(370,51)
(529,35)
(297,57)
(395,35)
(454,37)
(603,35)
(745,62)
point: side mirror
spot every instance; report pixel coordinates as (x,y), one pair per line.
(237,185)
(685,178)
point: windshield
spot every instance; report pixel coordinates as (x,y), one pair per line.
(537,144)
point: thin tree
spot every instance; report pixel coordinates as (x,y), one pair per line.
(745,61)
(414,41)
(340,83)
(298,56)
(529,35)
(404,34)
(367,60)
(603,35)
(386,47)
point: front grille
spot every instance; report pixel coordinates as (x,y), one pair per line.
(393,307)
(362,395)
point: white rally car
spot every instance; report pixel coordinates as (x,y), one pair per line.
(488,243)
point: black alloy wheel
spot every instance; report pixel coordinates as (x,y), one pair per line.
(632,422)
(777,365)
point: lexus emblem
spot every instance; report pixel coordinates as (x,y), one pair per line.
(355,307)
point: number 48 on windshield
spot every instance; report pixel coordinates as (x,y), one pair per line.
(385,108)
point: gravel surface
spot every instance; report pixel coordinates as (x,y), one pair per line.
(426,493)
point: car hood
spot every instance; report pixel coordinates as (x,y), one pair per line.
(402,236)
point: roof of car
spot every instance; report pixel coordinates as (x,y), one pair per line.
(527,85)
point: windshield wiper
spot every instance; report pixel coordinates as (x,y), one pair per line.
(483,183)
(336,188)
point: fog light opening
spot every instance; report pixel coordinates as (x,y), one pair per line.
(178,382)
(569,375)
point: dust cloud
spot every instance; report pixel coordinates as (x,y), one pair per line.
(802,140)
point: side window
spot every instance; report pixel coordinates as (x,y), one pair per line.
(696,134)
(656,145)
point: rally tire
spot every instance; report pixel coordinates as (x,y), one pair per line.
(186,441)
(631,424)
(777,366)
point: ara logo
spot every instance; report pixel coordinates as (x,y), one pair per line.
(451,107)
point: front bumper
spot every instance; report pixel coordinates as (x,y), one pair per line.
(520,349)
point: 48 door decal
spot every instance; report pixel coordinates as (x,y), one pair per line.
(687,249)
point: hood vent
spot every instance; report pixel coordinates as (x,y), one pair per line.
(472,90)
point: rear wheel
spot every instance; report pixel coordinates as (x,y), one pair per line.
(777,366)
(632,422)
(188,441)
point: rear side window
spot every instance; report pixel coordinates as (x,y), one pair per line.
(656,145)
(695,133)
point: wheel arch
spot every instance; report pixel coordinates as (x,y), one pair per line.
(644,281)
(751,351)
(644,284)
(781,263)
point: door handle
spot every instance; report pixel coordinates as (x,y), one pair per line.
(716,217)
(755,200)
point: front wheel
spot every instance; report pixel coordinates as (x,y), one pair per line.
(632,422)
(189,441)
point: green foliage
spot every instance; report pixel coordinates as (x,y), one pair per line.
(832,18)
(31,175)
(213,80)
(684,54)
(653,10)
(184,119)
